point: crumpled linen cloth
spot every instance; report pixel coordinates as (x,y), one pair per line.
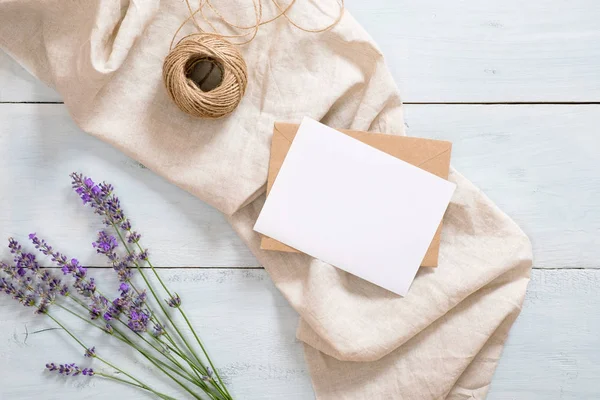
(444,339)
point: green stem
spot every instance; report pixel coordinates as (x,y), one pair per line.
(197,370)
(205,352)
(158,300)
(114,378)
(156,362)
(200,383)
(149,357)
(86,348)
(183,315)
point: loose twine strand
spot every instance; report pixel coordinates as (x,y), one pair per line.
(218,49)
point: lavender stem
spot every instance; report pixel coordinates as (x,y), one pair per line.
(143,275)
(99,358)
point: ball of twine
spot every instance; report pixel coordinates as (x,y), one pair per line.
(187,94)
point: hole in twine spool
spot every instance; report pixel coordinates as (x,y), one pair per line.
(205,75)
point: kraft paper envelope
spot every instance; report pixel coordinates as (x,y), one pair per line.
(355,207)
(430,155)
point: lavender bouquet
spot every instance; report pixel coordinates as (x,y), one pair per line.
(145,322)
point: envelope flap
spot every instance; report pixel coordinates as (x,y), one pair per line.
(420,152)
(428,154)
(286,130)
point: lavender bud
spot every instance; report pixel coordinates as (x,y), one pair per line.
(69,369)
(174,301)
(158,330)
(124,287)
(138,320)
(143,255)
(90,352)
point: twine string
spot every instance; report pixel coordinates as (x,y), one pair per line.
(217,48)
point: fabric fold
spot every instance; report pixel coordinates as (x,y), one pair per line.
(444,339)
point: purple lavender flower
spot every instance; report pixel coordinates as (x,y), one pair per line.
(82,285)
(13,246)
(99,197)
(124,287)
(91,352)
(107,316)
(69,369)
(209,375)
(95,313)
(98,307)
(158,330)
(47,250)
(23,296)
(143,255)
(51,367)
(140,299)
(133,237)
(24,261)
(45,276)
(120,304)
(109,329)
(174,301)
(106,244)
(29,284)
(64,290)
(124,268)
(138,320)
(71,267)
(43,307)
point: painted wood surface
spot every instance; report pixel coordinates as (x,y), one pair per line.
(488,50)
(250,329)
(17,85)
(464,51)
(539,163)
(40,145)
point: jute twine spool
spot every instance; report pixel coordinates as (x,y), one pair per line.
(180,68)
(189,95)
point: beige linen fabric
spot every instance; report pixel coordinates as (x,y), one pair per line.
(444,339)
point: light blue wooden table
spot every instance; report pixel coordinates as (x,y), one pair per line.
(514,84)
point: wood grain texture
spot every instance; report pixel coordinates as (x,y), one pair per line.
(551,353)
(18,85)
(467,51)
(40,145)
(538,163)
(488,50)
(248,327)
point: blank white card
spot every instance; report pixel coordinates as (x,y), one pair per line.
(355,207)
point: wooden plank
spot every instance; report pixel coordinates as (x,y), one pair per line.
(40,145)
(552,350)
(538,163)
(488,50)
(18,85)
(249,329)
(468,51)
